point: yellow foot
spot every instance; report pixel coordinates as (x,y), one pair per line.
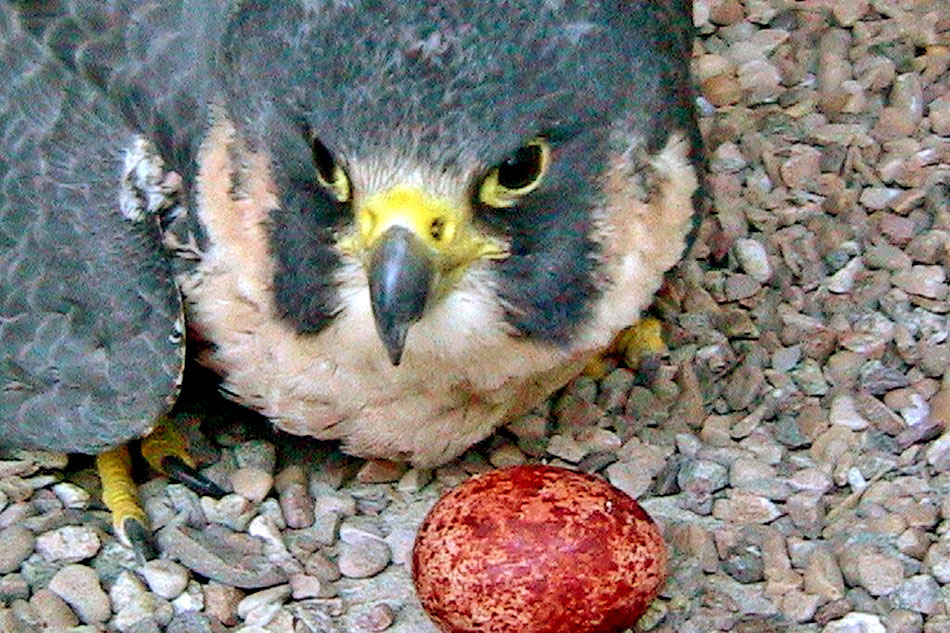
(644,339)
(121,497)
(166,450)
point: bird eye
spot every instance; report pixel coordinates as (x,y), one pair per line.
(519,174)
(329,173)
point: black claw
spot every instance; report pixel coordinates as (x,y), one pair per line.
(187,475)
(139,538)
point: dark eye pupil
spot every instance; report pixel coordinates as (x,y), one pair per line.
(521,169)
(323,161)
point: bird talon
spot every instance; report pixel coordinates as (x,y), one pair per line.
(133,533)
(175,467)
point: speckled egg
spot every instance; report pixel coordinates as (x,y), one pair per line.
(537,549)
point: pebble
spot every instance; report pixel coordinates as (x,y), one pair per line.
(78,586)
(70,544)
(274,596)
(879,573)
(221,602)
(745,509)
(754,259)
(799,606)
(258,454)
(144,610)
(52,610)
(304,587)
(71,495)
(919,593)
(16,544)
(378,471)
(856,623)
(166,578)
(822,576)
(567,448)
(379,617)
(251,483)
(845,414)
(938,453)
(365,559)
(924,281)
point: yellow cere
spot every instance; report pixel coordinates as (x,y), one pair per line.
(441,224)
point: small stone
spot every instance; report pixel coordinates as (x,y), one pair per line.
(754,259)
(939,114)
(801,169)
(919,593)
(726,12)
(843,281)
(565,447)
(739,286)
(822,576)
(191,599)
(760,81)
(745,508)
(251,483)
(938,453)
(267,597)
(938,560)
(507,455)
(847,13)
(304,587)
(856,623)
(799,606)
(744,563)
(78,586)
(221,602)
(13,587)
(16,544)
(231,510)
(379,617)
(296,505)
(71,495)
(380,471)
(843,413)
(190,622)
(364,559)
(145,610)
(165,577)
(903,621)
(258,454)
(924,281)
(879,573)
(722,90)
(727,158)
(71,544)
(53,610)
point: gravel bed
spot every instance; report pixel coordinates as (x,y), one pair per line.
(791,441)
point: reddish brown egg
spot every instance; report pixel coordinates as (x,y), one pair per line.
(537,549)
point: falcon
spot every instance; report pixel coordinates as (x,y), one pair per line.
(394,224)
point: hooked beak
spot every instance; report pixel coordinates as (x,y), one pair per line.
(400,277)
(413,246)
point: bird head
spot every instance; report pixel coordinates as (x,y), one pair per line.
(433,145)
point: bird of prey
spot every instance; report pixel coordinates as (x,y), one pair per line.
(396,224)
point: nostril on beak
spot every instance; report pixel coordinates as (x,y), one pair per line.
(437,229)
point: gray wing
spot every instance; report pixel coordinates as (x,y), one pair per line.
(91,347)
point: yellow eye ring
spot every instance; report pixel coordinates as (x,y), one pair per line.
(338,185)
(517,176)
(330,174)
